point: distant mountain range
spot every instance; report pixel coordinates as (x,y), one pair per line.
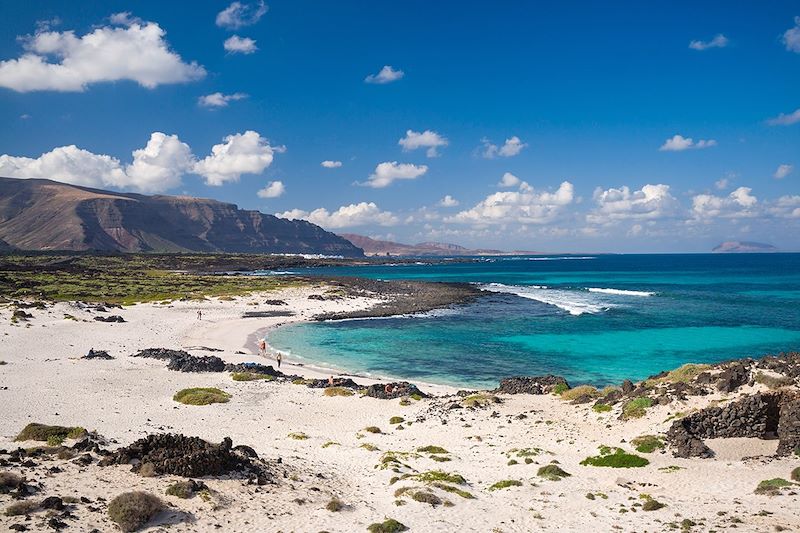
(732,247)
(388,248)
(37,214)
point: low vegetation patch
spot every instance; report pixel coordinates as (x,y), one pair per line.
(372,429)
(796,474)
(773,382)
(21,508)
(9,481)
(185,489)
(647,443)
(506,483)
(433,476)
(453,490)
(579,392)
(337,391)
(330,443)
(480,400)
(42,432)
(552,472)
(298,435)
(251,376)
(601,408)
(651,504)
(636,408)
(432,449)
(132,510)
(615,458)
(683,374)
(335,505)
(369,447)
(390,525)
(397,420)
(772,487)
(560,388)
(201,396)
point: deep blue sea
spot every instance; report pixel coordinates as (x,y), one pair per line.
(593,319)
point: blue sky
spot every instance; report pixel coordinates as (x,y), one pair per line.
(573,102)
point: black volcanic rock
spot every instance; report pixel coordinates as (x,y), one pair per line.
(530,385)
(38,214)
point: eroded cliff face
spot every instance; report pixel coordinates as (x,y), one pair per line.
(47,215)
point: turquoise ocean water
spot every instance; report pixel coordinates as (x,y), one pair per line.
(593,319)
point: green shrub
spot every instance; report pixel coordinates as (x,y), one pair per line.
(552,472)
(636,408)
(615,458)
(683,374)
(416,397)
(251,376)
(773,486)
(201,396)
(337,391)
(9,481)
(424,496)
(481,399)
(390,525)
(796,474)
(299,435)
(132,510)
(397,420)
(601,408)
(560,389)
(505,484)
(55,440)
(652,505)
(372,429)
(454,490)
(579,391)
(369,447)
(182,489)
(647,443)
(42,432)
(20,508)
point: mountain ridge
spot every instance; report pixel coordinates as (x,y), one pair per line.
(376,247)
(39,214)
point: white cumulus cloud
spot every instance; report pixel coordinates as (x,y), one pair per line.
(218,99)
(511,147)
(648,203)
(239,45)
(782,171)
(526,206)
(679,143)
(238,14)
(738,204)
(361,214)
(331,164)
(786,207)
(719,41)
(791,38)
(273,189)
(386,75)
(448,201)
(159,165)
(388,172)
(242,153)
(509,180)
(64,61)
(427,139)
(785,119)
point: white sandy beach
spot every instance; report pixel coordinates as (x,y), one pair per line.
(44,380)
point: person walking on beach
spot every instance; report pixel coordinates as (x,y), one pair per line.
(279,358)
(199,315)
(262,348)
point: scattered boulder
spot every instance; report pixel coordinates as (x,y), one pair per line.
(316,297)
(97,354)
(275,302)
(732,377)
(336,382)
(390,391)
(190,457)
(530,384)
(111,318)
(193,363)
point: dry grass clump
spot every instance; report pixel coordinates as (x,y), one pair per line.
(373,429)
(9,481)
(337,391)
(298,435)
(636,408)
(773,382)
(20,508)
(506,483)
(132,510)
(481,399)
(647,443)
(335,505)
(432,449)
(683,374)
(390,525)
(552,472)
(579,392)
(397,420)
(42,432)
(201,396)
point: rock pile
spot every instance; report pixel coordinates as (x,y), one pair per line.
(111,318)
(191,457)
(97,354)
(760,415)
(530,384)
(337,382)
(390,391)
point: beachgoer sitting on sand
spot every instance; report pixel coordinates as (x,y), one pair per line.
(388,388)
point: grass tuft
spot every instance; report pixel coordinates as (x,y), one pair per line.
(647,443)
(552,472)
(335,505)
(251,376)
(601,408)
(504,484)
(337,391)
(22,508)
(132,510)
(772,487)
(579,391)
(390,525)
(299,435)
(479,400)
(373,429)
(432,449)
(397,420)
(615,458)
(42,432)
(433,476)
(636,408)
(201,396)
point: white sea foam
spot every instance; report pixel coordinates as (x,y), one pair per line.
(620,292)
(573,302)
(566,258)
